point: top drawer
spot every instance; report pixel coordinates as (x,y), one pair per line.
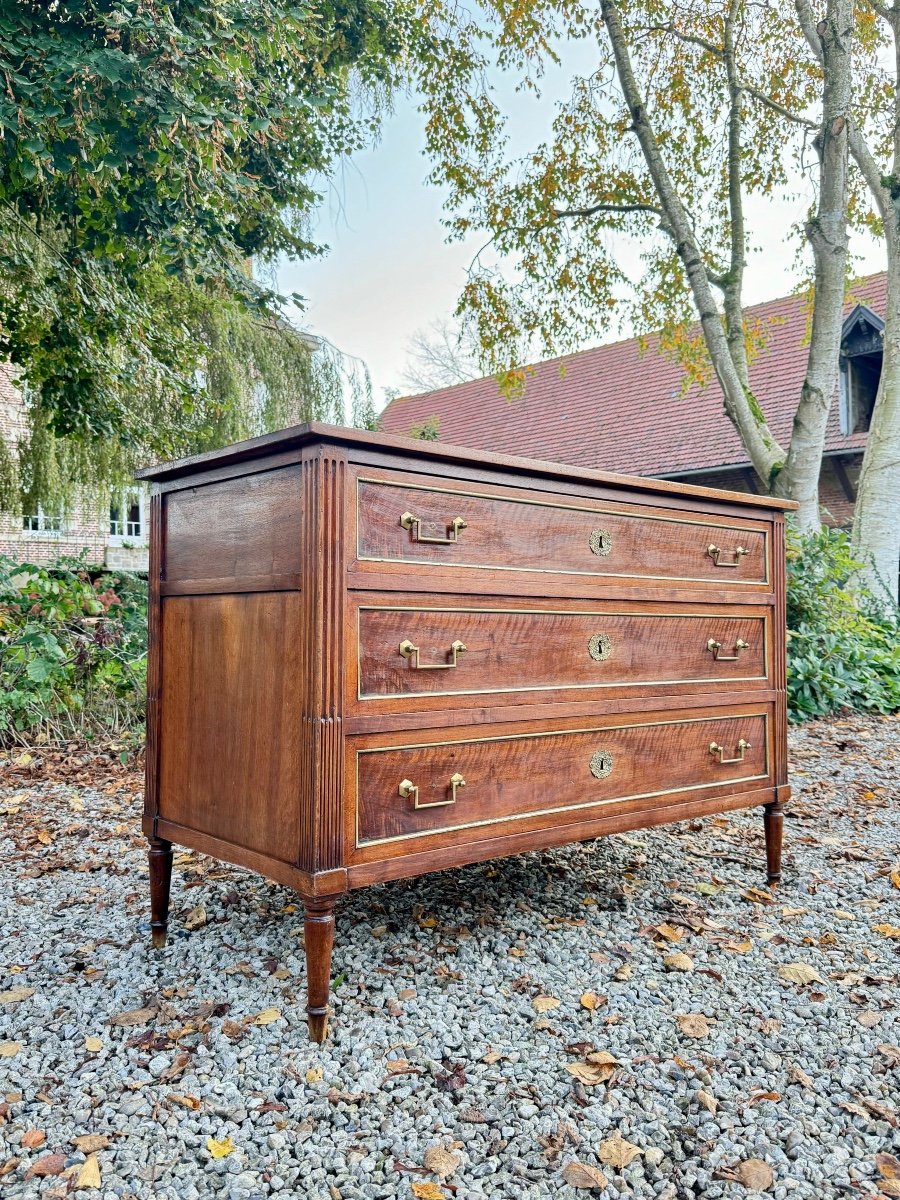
(507,530)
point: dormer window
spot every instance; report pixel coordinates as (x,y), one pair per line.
(862,341)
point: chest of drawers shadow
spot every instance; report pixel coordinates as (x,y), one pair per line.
(373,657)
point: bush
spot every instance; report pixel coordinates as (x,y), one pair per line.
(843,645)
(73,652)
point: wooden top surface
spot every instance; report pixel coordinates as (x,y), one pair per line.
(298,436)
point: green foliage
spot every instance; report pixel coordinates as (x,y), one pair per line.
(843,648)
(73,652)
(428,430)
(148,151)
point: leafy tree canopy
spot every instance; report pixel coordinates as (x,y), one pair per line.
(149,151)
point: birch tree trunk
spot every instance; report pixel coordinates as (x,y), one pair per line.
(827,234)
(765,454)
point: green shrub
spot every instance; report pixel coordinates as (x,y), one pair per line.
(843,645)
(73,652)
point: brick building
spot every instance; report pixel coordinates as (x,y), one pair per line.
(115,537)
(621,407)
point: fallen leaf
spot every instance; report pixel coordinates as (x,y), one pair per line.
(798,1075)
(678,962)
(9,1166)
(868,1019)
(9,1049)
(89,1175)
(602,1058)
(196,918)
(709,1102)
(45,837)
(671,933)
(589,1074)
(94,1044)
(452,1080)
(474,1116)
(543,1004)
(891,1053)
(266,1017)
(33,1138)
(888,931)
(616,1152)
(580,1175)
(441,1162)
(888,1166)
(755,1175)
(798,972)
(428,1191)
(219,1148)
(693,1025)
(591,1001)
(191,1102)
(50,1164)
(134,1016)
(314,1075)
(15,995)
(90,1143)
(623,973)
(895,877)
(176,1067)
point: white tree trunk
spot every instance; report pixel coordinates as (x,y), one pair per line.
(876,522)
(827,234)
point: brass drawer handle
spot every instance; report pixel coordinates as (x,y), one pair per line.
(716,649)
(408,788)
(715,554)
(411,654)
(715,748)
(414,525)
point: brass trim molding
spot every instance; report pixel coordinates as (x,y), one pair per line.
(708,523)
(542,812)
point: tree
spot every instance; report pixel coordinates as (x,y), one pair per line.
(665,141)
(149,151)
(439,356)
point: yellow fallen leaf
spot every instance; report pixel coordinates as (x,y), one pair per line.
(219,1149)
(441,1162)
(799,972)
(888,931)
(16,995)
(196,918)
(23,760)
(895,877)
(428,1191)
(709,1102)
(589,1074)
(89,1175)
(678,962)
(45,837)
(622,973)
(94,1044)
(616,1152)
(314,1075)
(9,1049)
(671,933)
(267,1016)
(90,1143)
(543,1004)
(591,1001)
(888,1166)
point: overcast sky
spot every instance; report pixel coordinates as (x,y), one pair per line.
(389,270)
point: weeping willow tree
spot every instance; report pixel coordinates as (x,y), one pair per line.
(148,151)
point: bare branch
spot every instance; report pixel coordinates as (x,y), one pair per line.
(690,39)
(592,210)
(768,102)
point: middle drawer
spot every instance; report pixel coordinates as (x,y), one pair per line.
(444,654)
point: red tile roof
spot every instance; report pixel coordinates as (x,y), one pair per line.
(621,408)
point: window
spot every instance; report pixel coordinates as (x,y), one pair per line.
(126,517)
(52,523)
(861,354)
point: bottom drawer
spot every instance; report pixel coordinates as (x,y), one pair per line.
(468,788)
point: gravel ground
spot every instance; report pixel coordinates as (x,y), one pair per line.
(462,1001)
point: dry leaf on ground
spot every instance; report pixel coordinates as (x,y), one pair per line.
(196,918)
(90,1143)
(89,1175)
(591,1001)
(191,1102)
(543,1004)
(219,1148)
(580,1175)
(134,1016)
(755,1175)
(266,1017)
(33,1138)
(799,972)
(693,1025)
(616,1152)
(10,1049)
(428,1191)
(709,1102)
(678,962)
(94,1044)
(314,1075)
(888,1166)
(888,931)
(50,1164)
(16,995)
(442,1162)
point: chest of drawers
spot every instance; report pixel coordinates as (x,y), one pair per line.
(372,657)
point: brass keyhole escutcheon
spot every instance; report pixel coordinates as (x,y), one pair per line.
(601,542)
(601,764)
(600,647)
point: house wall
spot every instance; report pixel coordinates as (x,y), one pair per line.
(837,509)
(85,530)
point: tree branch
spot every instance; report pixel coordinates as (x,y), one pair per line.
(808,26)
(592,209)
(690,39)
(768,102)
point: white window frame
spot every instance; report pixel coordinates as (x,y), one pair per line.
(133,539)
(42,518)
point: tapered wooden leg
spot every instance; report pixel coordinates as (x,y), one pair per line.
(160,881)
(773,821)
(318,934)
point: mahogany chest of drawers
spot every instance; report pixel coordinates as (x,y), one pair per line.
(372,657)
